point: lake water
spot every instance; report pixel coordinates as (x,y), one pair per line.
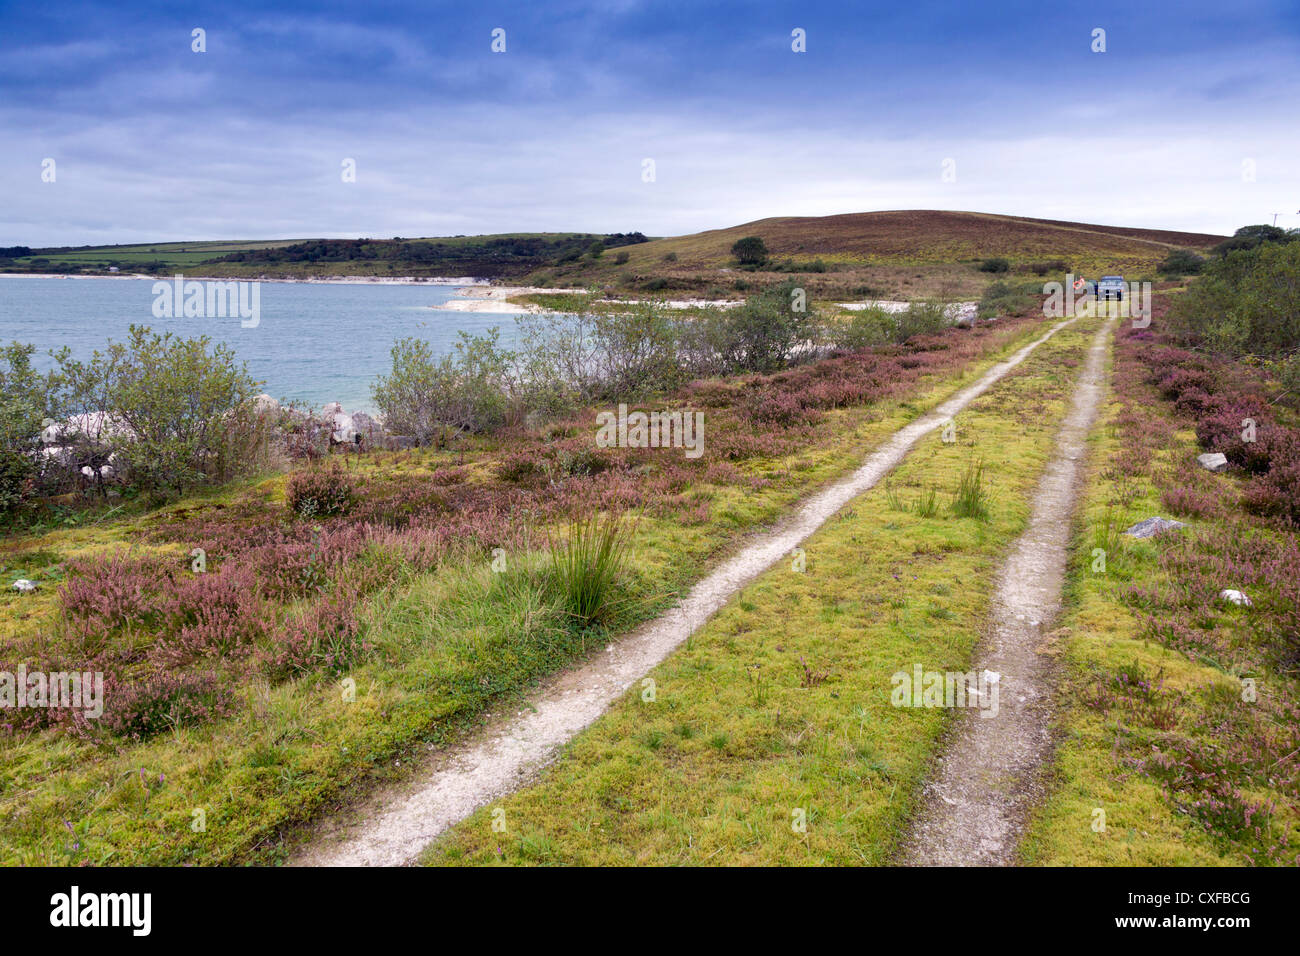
(315,343)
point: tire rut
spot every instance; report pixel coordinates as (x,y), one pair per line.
(989,777)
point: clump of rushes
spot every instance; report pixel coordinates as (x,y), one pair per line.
(927,504)
(586,566)
(971,500)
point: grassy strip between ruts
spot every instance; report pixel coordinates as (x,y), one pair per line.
(1164,757)
(778,711)
(453,643)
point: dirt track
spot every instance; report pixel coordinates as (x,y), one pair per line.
(989,778)
(391,827)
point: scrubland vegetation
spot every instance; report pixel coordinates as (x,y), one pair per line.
(440,580)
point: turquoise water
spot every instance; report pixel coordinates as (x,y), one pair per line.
(314,343)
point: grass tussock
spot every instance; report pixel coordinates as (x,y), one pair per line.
(587,565)
(971,499)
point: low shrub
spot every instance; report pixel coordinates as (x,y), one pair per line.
(320,492)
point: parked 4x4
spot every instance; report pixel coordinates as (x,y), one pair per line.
(1110,286)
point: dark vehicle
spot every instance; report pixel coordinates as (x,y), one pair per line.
(1111,286)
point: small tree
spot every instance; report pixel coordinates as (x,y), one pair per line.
(177,401)
(1181,262)
(596,249)
(767,332)
(427,397)
(27,399)
(750,251)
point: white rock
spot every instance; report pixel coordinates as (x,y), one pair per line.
(1213,461)
(344,431)
(333,408)
(1236,597)
(265,403)
(23,586)
(1153,526)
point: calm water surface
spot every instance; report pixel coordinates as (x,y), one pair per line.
(315,343)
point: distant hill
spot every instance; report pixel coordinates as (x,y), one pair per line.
(926,235)
(893,254)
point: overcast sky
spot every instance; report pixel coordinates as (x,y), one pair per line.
(1188,120)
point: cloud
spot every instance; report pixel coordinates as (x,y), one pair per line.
(155,142)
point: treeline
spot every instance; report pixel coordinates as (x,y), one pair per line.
(528,251)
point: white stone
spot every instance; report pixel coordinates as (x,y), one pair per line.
(344,431)
(1236,597)
(23,586)
(1213,461)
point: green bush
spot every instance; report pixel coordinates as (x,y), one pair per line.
(428,398)
(920,318)
(751,250)
(1005,298)
(1181,262)
(864,329)
(1245,303)
(765,333)
(179,403)
(995,265)
(26,400)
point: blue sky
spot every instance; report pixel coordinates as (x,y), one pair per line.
(1187,121)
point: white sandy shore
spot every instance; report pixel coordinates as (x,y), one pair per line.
(494,299)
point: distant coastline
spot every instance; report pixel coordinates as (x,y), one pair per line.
(322,280)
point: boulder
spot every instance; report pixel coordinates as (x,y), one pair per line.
(1213,461)
(345,433)
(1236,597)
(23,586)
(1153,526)
(333,408)
(264,404)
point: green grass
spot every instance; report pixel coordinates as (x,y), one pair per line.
(586,566)
(771,739)
(971,497)
(1104,643)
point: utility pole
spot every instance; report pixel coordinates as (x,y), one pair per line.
(1275,215)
